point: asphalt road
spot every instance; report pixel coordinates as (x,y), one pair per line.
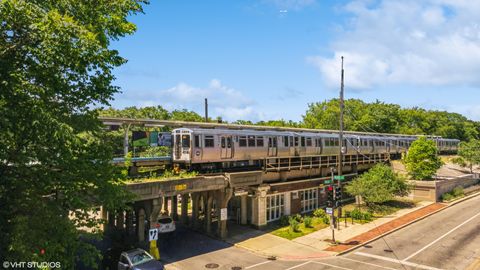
(449,239)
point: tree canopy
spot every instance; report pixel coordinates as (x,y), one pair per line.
(422,160)
(469,152)
(380,184)
(390,118)
(55,65)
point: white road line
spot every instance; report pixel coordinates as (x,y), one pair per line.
(438,239)
(298,265)
(396,261)
(258,264)
(372,264)
(331,265)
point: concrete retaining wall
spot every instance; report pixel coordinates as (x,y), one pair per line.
(433,190)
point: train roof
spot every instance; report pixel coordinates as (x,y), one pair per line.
(116,121)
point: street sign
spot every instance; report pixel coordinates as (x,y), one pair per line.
(339,177)
(223,214)
(329,210)
(152,235)
(327,181)
(180,187)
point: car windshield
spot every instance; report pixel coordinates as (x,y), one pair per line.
(166,220)
(141,258)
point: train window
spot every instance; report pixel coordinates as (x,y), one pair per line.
(303,141)
(242,142)
(185,141)
(337,142)
(296,141)
(196,139)
(251,141)
(285,141)
(291,141)
(259,141)
(274,141)
(208,141)
(309,141)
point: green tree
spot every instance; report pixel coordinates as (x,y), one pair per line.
(470,153)
(55,65)
(422,160)
(380,184)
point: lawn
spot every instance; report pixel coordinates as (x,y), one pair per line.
(286,232)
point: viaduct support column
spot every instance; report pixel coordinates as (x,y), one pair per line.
(243,209)
(156,208)
(259,205)
(184,213)
(129,222)
(174,204)
(208,213)
(141,225)
(120,222)
(195,208)
(223,196)
(165,205)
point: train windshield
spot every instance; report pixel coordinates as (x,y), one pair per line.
(186,141)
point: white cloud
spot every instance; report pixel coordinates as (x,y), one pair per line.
(426,43)
(223,101)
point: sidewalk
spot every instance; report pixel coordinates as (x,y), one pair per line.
(347,235)
(314,245)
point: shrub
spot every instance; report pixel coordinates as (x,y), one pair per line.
(319,212)
(325,220)
(298,218)
(360,215)
(447,197)
(457,192)
(284,220)
(294,225)
(308,222)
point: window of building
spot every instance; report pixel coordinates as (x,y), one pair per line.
(209,141)
(259,141)
(275,206)
(251,141)
(309,199)
(242,141)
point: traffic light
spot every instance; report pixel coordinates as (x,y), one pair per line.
(338,195)
(330,196)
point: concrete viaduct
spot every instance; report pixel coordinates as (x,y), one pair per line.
(250,198)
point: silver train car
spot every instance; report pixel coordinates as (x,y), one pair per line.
(244,147)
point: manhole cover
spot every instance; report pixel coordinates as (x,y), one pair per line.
(211,265)
(388,250)
(236,268)
(367,246)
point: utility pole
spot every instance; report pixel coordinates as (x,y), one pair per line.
(342,147)
(206,110)
(332,215)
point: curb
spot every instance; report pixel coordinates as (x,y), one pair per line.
(409,223)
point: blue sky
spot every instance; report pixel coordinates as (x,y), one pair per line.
(267,59)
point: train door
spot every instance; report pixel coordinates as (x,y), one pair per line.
(291,146)
(272,146)
(182,146)
(226,146)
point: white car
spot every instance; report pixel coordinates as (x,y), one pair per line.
(165,224)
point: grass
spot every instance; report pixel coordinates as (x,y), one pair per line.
(167,175)
(285,231)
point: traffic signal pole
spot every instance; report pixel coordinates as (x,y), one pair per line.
(332,215)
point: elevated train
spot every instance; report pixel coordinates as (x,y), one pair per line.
(216,148)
